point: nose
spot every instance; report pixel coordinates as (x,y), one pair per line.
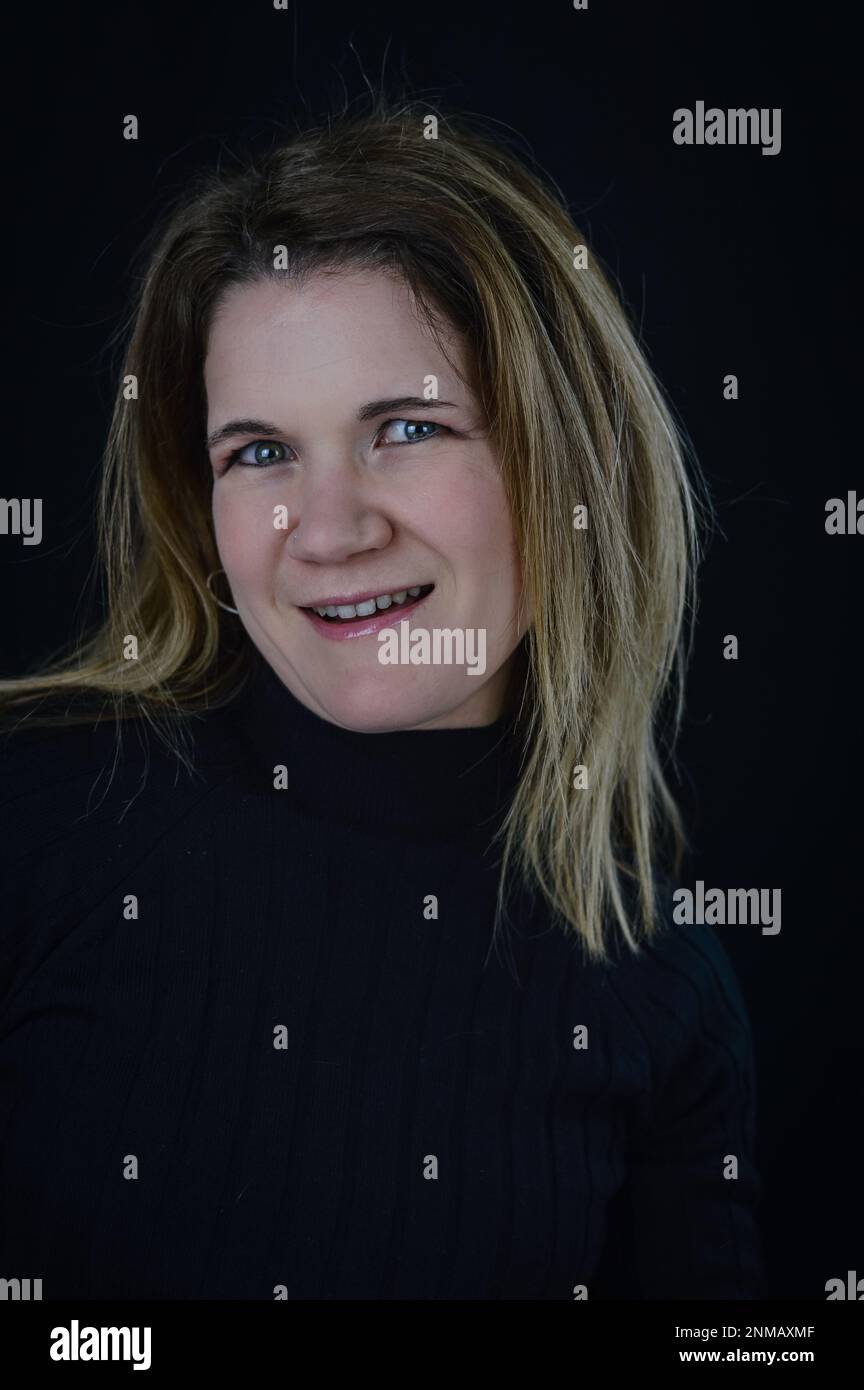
(338,514)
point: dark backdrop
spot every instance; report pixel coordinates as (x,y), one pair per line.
(731,262)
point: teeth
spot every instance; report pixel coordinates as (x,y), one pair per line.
(369,605)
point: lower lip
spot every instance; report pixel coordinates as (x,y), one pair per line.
(363,627)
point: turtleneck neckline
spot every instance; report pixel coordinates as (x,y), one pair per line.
(433,782)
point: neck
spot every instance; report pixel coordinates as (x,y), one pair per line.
(429,782)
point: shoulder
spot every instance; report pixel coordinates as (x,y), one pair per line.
(68,780)
(685,968)
(682,997)
(76,744)
(81,805)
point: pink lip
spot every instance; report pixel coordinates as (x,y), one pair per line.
(363,627)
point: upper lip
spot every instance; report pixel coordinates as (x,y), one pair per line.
(360,597)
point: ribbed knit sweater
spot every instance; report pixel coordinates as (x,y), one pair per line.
(256,1040)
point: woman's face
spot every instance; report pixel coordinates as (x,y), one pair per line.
(357,478)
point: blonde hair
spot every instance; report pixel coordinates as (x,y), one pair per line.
(577,418)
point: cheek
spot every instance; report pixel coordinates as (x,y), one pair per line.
(472,518)
(248,541)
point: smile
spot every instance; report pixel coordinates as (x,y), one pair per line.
(368,616)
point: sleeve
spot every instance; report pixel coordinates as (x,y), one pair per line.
(694,1187)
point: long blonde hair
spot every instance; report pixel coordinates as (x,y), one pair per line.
(578,420)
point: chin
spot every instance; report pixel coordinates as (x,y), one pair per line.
(377,704)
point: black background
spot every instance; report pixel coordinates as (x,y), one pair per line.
(729,261)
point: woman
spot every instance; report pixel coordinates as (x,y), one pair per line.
(339,963)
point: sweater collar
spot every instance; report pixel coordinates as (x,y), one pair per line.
(431,782)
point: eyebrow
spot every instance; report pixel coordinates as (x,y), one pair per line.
(369,411)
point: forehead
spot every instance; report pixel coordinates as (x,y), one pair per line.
(358,331)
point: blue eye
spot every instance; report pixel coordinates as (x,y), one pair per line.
(414,425)
(267,452)
(262,447)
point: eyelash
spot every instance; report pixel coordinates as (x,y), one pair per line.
(397,420)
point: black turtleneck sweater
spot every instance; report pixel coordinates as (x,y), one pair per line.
(256,1042)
